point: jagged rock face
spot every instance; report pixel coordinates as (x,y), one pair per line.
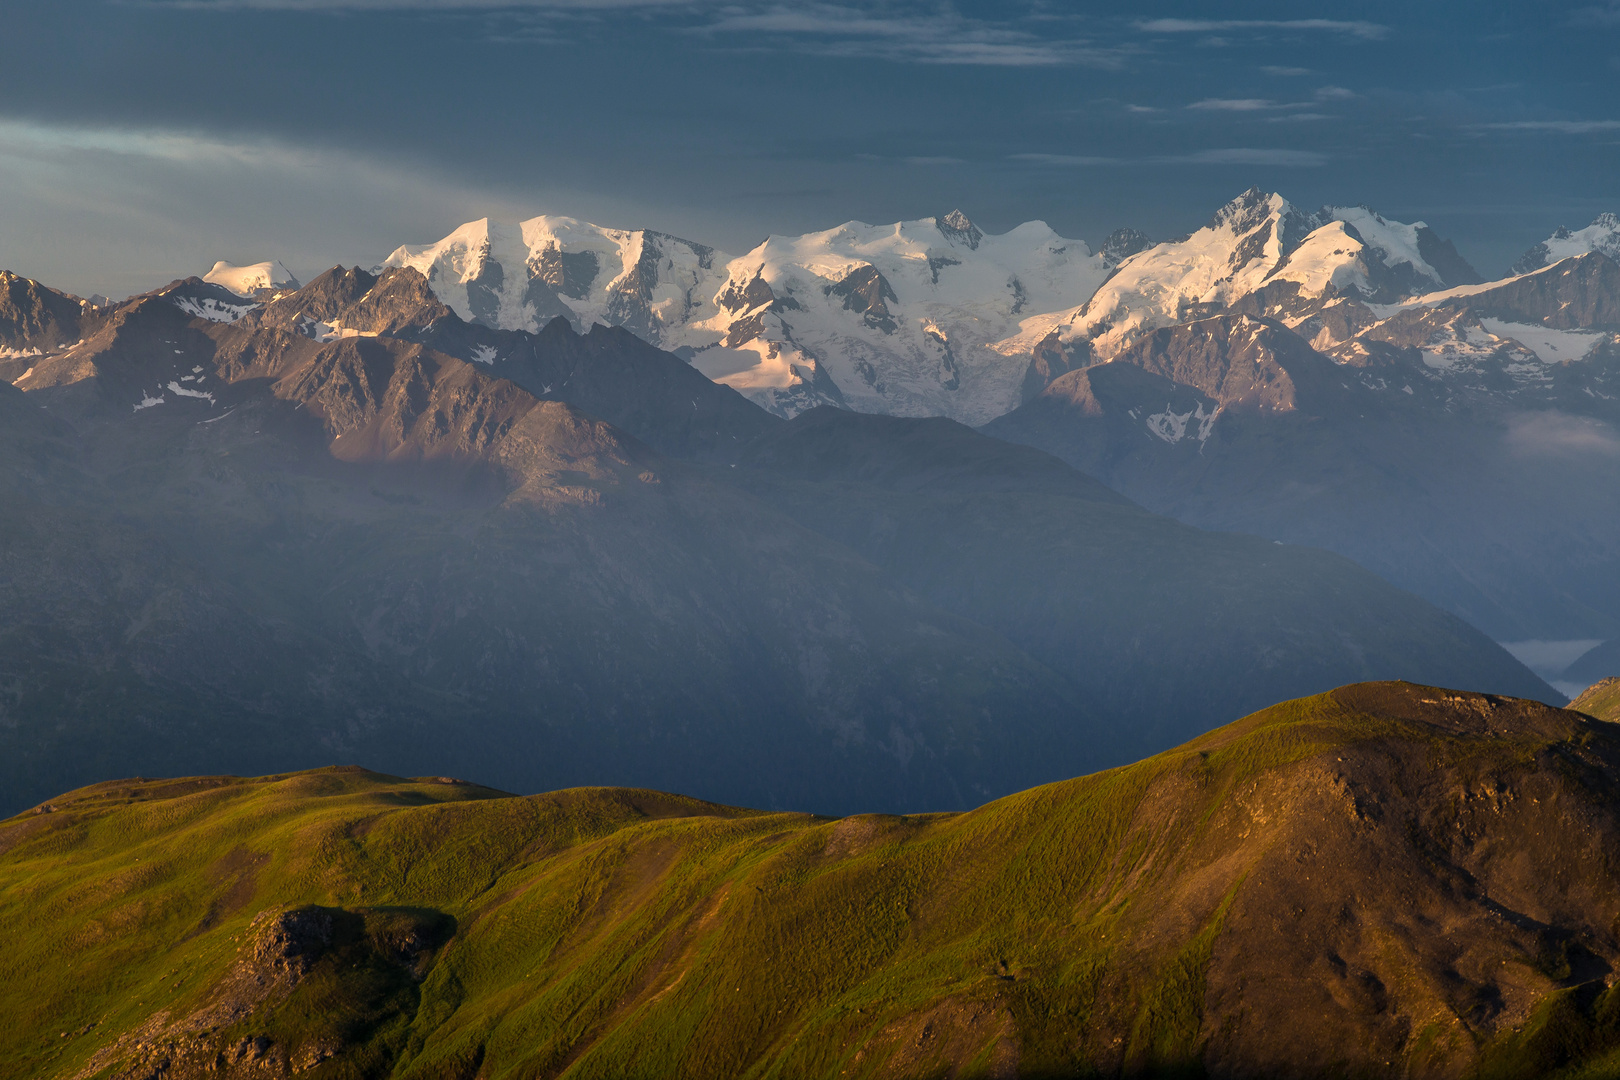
(957,229)
(1236,361)
(34,318)
(865,291)
(1121,244)
(234,1032)
(1579,293)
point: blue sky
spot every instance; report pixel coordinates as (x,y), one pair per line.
(142,139)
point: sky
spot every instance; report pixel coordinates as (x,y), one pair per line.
(140,140)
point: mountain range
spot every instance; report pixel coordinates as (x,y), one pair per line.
(1338,378)
(340,520)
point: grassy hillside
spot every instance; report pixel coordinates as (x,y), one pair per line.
(1601,699)
(1384,880)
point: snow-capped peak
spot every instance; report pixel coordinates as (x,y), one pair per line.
(521,276)
(1257,240)
(247,281)
(897,318)
(1602,236)
(957,229)
(886,318)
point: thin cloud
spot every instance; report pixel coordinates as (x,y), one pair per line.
(1235,105)
(1250,105)
(338,6)
(914,32)
(1357,28)
(1068,159)
(1562,127)
(162,204)
(1602,15)
(1285,159)
(1334,93)
(1232,155)
(1271,69)
(1558,434)
(931,36)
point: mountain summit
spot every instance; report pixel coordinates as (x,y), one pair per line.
(895,318)
(1602,236)
(250,281)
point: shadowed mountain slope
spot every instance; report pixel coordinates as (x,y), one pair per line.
(1098,589)
(1434,447)
(360,545)
(307,529)
(1387,880)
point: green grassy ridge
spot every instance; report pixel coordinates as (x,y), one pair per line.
(622,933)
(1601,699)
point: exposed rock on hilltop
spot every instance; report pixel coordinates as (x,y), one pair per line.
(1389,881)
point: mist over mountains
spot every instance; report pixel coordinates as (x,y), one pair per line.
(1332,378)
(265,523)
(568,504)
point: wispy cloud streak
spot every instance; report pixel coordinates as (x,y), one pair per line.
(1230,155)
(923,35)
(1367,31)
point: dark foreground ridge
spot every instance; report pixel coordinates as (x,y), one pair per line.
(1385,880)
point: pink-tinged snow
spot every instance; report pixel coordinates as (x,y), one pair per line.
(951,302)
(248,280)
(1603,235)
(1228,259)
(680,278)
(1397,240)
